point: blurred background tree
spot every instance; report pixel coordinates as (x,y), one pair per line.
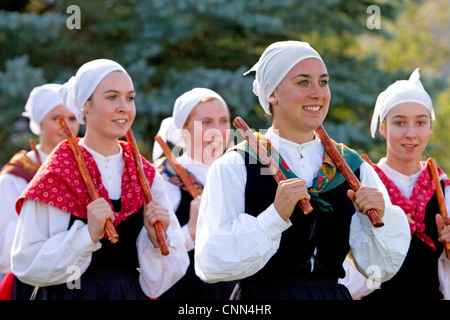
(171,46)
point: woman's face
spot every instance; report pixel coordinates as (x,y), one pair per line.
(206,131)
(51,133)
(301,101)
(406,128)
(110,111)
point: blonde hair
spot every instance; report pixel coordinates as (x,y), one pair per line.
(201,101)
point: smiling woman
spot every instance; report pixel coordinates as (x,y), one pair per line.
(250,228)
(200,124)
(301,101)
(403,115)
(43,107)
(56,204)
(111,111)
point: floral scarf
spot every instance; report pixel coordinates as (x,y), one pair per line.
(328,176)
(22,166)
(163,167)
(59,183)
(416,205)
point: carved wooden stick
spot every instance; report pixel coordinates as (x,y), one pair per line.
(439,193)
(82,166)
(367,159)
(178,168)
(268,161)
(33,147)
(146,189)
(346,171)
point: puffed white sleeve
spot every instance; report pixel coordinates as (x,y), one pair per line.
(174,195)
(231,244)
(158,272)
(379,252)
(444,262)
(10,189)
(45,252)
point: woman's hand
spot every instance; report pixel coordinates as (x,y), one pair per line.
(443,231)
(289,193)
(153,212)
(366,198)
(98,211)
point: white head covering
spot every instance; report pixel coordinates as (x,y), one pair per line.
(400,92)
(273,65)
(170,129)
(41,101)
(79,88)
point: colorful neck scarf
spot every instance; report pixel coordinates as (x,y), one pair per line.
(21,166)
(59,183)
(328,176)
(416,205)
(163,167)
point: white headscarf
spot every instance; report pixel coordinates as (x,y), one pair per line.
(41,101)
(79,88)
(273,65)
(170,129)
(400,92)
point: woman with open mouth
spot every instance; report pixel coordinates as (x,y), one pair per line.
(43,107)
(404,112)
(60,244)
(250,228)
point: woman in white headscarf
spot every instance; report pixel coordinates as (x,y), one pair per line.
(60,243)
(250,229)
(403,115)
(200,126)
(43,107)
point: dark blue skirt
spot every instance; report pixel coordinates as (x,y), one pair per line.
(291,289)
(98,284)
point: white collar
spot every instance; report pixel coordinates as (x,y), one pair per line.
(397,177)
(115,158)
(278,142)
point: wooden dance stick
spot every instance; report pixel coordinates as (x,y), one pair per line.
(33,147)
(82,166)
(268,161)
(346,172)
(439,193)
(178,168)
(367,159)
(146,189)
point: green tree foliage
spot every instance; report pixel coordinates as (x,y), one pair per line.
(171,46)
(419,38)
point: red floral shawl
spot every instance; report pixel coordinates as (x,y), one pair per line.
(416,205)
(59,183)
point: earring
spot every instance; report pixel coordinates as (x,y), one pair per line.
(272,99)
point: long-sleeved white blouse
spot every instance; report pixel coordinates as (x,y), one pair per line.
(45,251)
(11,187)
(200,171)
